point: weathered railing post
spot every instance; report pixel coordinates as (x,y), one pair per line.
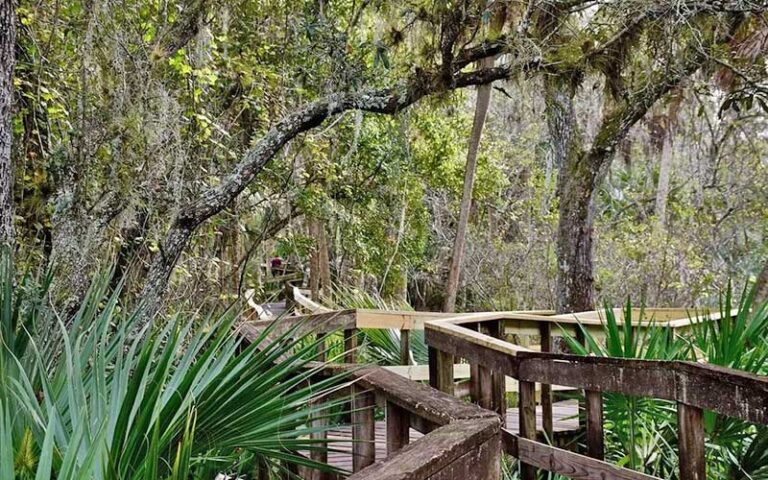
(350,345)
(493,384)
(405,347)
(595,437)
(398,427)
(441,370)
(288,293)
(545,331)
(690,427)
(363,428)
(474,370)
(527,423)
(319,455)
(320,452)
(582,339)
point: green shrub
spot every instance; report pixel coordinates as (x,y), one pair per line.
(80,398)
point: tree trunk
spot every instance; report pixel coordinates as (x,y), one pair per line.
(662,136)
(454,270)
(324,262)
(314,261)
(164,262)
(665,172)
(575,277)
(7,63)
(575,186)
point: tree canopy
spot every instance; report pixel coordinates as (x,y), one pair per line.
(623,151)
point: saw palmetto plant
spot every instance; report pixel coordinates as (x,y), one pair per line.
(641,433)
(83,398)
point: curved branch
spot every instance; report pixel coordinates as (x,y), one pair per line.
(383,101)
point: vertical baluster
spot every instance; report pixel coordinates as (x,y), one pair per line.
(595,438)
(545,330)
(320,452)
(320,346)
(498,381)
(350,345)
(363,428)
(474,383)
(527,423)
(288,293)
(582,401)
(690,426)
(398,427)
(405,347)
(441,370)
(474,371)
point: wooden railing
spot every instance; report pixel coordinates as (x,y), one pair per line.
(694,387)
(461,436)
(460,440)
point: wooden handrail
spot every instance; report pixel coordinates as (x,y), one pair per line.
(459,436)
(453,428)
(693,386)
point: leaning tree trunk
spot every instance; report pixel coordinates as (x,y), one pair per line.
(457,257)
(7,63)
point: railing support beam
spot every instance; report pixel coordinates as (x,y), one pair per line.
(350,345)
(441,370)
(398,427)
(527,423)
(497,382)
(545,331)
(690,426)
(405,347)
(363,428)
(595,437)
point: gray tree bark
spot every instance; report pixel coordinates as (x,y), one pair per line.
(576,183)
(665,173)
(7,64)
(457,257)
(582,170)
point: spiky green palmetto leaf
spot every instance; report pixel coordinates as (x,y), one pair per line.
(185,401)
(381,346)
(641,433)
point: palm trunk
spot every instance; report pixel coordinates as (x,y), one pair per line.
(7,63)
(454,270)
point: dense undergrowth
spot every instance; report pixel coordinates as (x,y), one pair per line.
(81,398)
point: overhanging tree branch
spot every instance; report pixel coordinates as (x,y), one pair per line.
(382,101)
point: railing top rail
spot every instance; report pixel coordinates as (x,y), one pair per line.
(429,455)
(726,391)
(453,427)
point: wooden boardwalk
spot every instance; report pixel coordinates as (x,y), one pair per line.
(564,416)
